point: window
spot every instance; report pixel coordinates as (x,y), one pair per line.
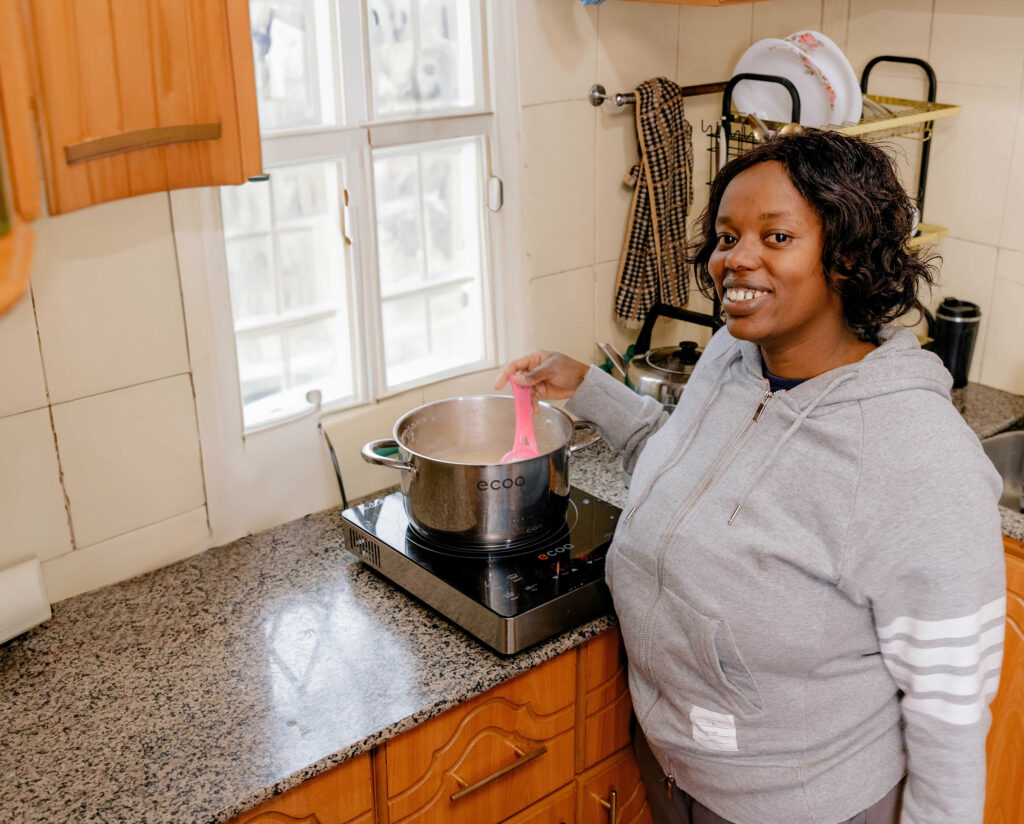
(360,267)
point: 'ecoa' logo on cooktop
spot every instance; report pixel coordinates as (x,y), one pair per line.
(507,483)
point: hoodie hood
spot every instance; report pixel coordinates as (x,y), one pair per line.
(899,363)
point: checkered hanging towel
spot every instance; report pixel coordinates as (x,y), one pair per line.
(653,267)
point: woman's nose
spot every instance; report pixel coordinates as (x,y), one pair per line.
(742,255)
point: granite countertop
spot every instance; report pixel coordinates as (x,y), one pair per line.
(190,694)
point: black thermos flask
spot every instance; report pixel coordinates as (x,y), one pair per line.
(956,329)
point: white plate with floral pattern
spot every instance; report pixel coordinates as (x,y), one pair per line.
(771,100)
(847,103)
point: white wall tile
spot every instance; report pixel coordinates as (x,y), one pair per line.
(126,556)
(606,328)
(711,41)
(1004,354)
(970,162)
(130,457)
(107,296)
(33,520)
(781,18)
(1010,266)
(616,153)
(979,42)
(558,212)
(561,313)
(557,50)
(637,41)
(835,18)
(877,27)
(21,369)
(968,273)
(1012,233)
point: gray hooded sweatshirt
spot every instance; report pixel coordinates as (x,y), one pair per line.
(810,585)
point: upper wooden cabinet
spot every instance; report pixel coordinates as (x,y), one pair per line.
(138,96)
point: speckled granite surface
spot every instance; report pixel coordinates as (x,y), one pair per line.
(191,694)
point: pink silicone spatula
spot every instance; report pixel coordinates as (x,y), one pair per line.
(525,444)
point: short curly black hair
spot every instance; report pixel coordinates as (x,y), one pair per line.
(866,216)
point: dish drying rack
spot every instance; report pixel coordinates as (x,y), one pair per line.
(883,117)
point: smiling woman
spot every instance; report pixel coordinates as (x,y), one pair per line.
(789,548)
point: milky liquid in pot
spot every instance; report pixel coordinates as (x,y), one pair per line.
(474,457)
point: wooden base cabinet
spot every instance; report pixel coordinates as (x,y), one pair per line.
(613,793)
(489,758)
(342,795)
(552,746)
(1004,798)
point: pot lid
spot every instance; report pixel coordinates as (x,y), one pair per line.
(677,360)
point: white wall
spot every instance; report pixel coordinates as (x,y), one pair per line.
(101,465)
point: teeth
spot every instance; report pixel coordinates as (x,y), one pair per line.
(742,294)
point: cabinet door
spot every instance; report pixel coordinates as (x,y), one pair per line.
(342,795)
(493,756)
(559,808)
(139,96)
(613,793)
(607,712)
(1004,803)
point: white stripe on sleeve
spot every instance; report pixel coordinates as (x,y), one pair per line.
(962,627)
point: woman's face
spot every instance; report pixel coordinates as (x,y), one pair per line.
(767,266)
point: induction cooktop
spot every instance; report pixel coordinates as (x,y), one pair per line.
(509,596)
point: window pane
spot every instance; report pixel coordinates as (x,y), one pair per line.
(292,52)
(318,358)
(422,58)
(429,226)
(290,292)
(260,366)
(251,276)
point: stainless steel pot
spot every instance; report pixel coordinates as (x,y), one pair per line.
(455,487)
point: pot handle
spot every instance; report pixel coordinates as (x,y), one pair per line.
(369,453)
(593,438)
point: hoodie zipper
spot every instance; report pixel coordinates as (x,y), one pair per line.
(723,460)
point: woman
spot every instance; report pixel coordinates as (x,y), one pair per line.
(808,574)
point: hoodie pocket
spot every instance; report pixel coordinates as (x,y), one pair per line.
(698,661)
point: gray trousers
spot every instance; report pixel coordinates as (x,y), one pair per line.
(683,809)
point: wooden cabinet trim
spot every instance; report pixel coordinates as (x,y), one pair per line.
(1013,546)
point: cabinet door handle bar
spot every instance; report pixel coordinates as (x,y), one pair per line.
(499,773)
(140,139)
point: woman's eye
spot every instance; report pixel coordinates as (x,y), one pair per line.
(779,237)
(726,240)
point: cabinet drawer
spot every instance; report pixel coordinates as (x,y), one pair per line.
(342,795)
(613,792)
(489,758)
(608,711)
(559,808)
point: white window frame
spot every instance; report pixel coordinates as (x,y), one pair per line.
(273,475)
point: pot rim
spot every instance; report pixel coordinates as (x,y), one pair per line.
(413,452)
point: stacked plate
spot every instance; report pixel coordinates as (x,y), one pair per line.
(823,77)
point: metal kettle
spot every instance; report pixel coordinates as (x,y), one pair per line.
(661,373)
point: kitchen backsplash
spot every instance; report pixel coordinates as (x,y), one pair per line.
(101,465)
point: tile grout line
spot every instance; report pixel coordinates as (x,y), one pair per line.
(188,359)
(53,426)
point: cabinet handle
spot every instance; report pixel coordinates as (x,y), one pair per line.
(612,805)
(503,771)
(140,139)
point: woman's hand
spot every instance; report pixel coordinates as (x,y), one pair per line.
(552,375)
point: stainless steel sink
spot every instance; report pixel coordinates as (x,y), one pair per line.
(1006,451)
